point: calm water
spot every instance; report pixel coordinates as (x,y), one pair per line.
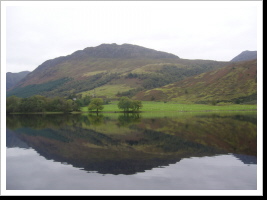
(167,151)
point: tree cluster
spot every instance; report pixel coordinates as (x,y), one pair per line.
(127,104)
(168,74)
(38,103)
(129,93)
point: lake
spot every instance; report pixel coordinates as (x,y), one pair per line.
(146,151)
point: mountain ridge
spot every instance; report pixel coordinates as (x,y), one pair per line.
(110,51)
(111,71)
(245,55)
(122,51)
(13,78)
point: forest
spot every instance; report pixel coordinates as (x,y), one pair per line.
(38,103)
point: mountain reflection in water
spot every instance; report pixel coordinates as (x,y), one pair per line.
(132,143)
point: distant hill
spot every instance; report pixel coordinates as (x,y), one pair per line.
(13,78)
(236,82)
(109,71)
(245,55)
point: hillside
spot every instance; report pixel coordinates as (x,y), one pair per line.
(245,55)
(13,78)
(94,60)
(236,82)
(109,71)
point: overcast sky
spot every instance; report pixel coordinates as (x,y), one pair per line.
(212,30)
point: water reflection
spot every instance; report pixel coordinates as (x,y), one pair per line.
(132,143)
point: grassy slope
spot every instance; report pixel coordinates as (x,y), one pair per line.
(230,82)
(108,91)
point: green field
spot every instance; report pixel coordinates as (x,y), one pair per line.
(109,91)
(151,106)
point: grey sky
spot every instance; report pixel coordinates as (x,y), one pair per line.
(213,30)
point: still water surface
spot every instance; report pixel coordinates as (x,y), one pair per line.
(203,151)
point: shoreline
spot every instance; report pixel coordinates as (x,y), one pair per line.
(130,112)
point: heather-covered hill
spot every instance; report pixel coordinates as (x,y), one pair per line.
(236,82)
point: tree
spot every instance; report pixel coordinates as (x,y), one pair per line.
(67,106)
(56,104)
(124,104)
(12,104)
(86,100)
(39,103)
(96,104)
(136,105)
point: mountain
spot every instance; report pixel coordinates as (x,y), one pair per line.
(245,55)
(236,82)
(94,60)
(13,78)
(109,71)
